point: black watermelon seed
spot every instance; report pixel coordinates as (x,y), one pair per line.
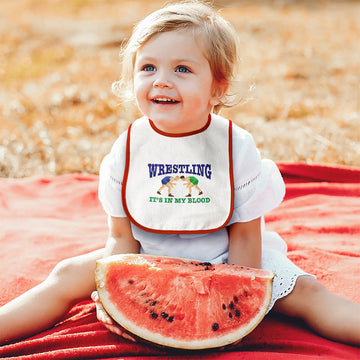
(153,303)
(205,263)
(154,316)
(230,315)
(245,293)
(236,299)
(130,281)
(170,319)
(215,326)
(224,306)
(237,313)
(231,305)
(164,314)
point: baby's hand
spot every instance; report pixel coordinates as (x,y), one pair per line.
(106,320)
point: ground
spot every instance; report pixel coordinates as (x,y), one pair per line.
(58,59)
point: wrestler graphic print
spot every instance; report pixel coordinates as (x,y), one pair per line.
(170,182)
(191,182)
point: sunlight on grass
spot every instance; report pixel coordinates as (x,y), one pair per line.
(34,65)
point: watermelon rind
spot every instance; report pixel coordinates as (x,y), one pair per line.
(151,334)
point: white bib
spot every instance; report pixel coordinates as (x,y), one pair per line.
(179,183)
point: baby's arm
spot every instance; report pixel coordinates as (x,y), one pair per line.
(120,239)
(245,243)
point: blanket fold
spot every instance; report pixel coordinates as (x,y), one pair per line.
(46,219)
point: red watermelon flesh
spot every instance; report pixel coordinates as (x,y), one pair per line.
(183,303)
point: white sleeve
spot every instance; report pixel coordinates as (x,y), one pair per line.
(258,184)
(111,177)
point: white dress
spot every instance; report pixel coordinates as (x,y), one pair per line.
(259,188)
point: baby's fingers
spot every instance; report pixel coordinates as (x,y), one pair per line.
(115,329)
(107,321)
(101,314)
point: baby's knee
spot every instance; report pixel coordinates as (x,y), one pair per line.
(75,277)
(64,270)
(305,293)
(65,279)
(308,286)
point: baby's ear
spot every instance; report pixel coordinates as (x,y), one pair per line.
(219,90)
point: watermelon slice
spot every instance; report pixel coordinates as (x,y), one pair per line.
(183,303)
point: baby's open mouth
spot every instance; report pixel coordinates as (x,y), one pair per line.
(162,100)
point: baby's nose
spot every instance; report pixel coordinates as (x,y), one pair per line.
(162,82)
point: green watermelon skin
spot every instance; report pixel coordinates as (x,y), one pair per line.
(183,303)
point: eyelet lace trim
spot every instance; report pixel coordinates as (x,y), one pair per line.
(247,183)
(115,180)
(286,274)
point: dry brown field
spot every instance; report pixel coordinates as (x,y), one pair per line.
(58,59)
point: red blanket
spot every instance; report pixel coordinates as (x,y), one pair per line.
(44,220)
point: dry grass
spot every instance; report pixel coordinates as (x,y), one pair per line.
(59,58)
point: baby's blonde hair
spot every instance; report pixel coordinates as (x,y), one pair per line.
(220,37)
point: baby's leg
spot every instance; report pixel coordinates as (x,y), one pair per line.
(330,315)
(41,307)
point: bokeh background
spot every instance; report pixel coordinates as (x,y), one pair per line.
(58,59)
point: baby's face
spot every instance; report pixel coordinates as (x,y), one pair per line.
(173,83)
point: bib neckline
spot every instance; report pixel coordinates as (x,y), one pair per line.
(164,133)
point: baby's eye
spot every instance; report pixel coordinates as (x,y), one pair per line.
(182,69)
(148,67)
